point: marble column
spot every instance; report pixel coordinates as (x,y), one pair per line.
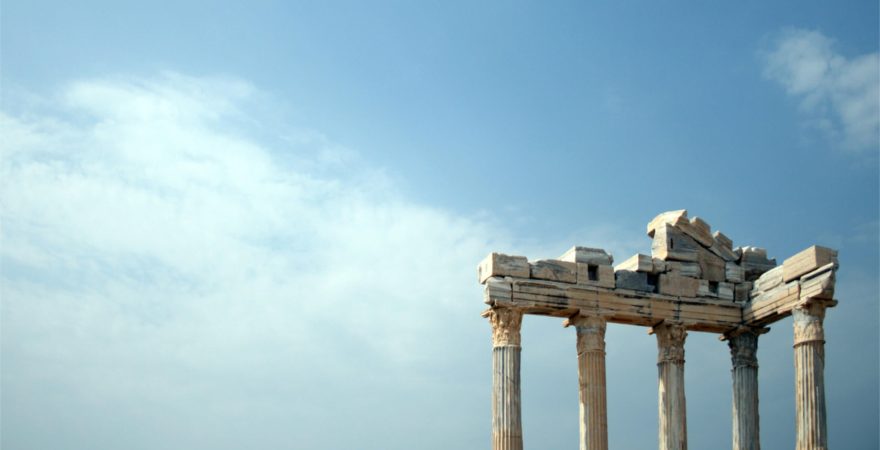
(506,413)
(591,377)
(670,364)
(743,345)
(809,368)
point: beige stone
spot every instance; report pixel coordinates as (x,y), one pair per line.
(807,261)
(671,244)
(587,255)
(554,270)
(500,265)
(678,285)
(637,263)
(595,275)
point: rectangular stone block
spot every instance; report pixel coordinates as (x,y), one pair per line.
(711,266)
(628,279)
(684,269)
(595,275)
(674,218)
(714,289)
(741,291)
(672,284)
(554,270)
(587,255)
(501,265)
(659,265)
(671,244)
(807,261)
(636,263)
(734,273)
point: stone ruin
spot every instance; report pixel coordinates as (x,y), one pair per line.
(694,280)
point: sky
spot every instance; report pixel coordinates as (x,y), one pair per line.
(257,225)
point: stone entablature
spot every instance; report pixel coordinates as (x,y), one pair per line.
(694,280)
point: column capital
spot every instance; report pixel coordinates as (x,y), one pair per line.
(506,324)
(670,341)
(590,333)
(808,318)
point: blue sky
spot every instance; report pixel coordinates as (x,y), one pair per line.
(257,225)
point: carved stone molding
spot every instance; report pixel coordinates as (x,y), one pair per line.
(808,323)
(506,324)
(744,350)
(670,342)
(590,333)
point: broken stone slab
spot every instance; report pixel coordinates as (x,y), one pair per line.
(712,267)
(742,291)
(554,270)
(754,261)
(636,263)
(628,279)
(734,273)
(672,284)
(501,265)
(595,275)
(723,240)
(769,280)
(671,244)
(674,218)
(684,269)
(587,255)
(807,261)
(698,229)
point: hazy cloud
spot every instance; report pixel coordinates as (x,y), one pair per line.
(839,95)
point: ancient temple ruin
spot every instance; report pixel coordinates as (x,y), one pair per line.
(694,280)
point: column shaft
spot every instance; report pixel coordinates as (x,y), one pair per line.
(809,367)
(591,378)
(670,364)
(743,351)
(506,411)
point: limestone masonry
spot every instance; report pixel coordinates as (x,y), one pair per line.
(694,280)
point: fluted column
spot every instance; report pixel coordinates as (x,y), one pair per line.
(743,345)
(506,414)
(809,368)
(670,364)
(591,377)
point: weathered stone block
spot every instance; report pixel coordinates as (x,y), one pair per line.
(741,291)
(712,266)
(734,273)
(554,270)
(723,240)
(636,263)
(769,279)
(628,279)
(501,265)
(674,218)
(595,275)
(587,255)
(671,244)
(807,261)
(684,269)
(672,284)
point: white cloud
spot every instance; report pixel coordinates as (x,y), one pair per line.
(840,95)
(169,280)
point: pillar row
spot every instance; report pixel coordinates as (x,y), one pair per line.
(809,367)
(671,401)
(743,345)
(591,380)
(506,406)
